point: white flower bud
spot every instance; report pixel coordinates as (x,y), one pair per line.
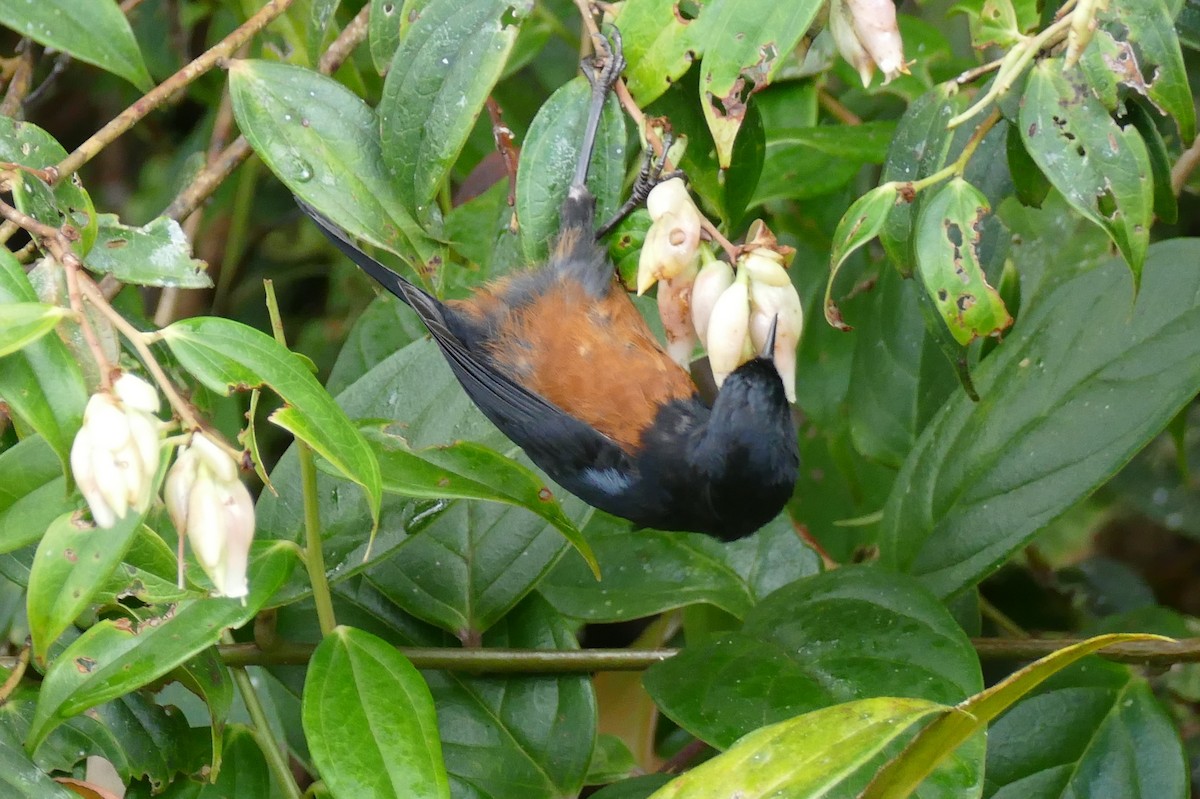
(770,303)
(115,454)
(210,505)
(714,278)
(728,336)
(765,267)
(668,197)
(673,240)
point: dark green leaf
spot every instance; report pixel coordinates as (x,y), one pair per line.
(517,737)
(73,560)
(96,33)
(450,57)
(26,144)
(383,30)
(1079,386)
(948,232)
(322,141)
(633,788)
(465,470)
(811,161)
(1101,168)
(115,657)
(861,223)
(156,254)
(42,383)
(548,161)
(206,677)
(225,355)
(807,757)
(611,761)
(1030,184)
(1166,205)
(744,44)
(361,746)
(384,328)
(244,772)
(19,776)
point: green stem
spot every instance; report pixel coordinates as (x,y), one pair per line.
(274,753)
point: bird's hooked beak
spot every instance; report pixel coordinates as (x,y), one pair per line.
(768,350)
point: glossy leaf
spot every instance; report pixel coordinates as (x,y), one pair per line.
(744,45)
(42,383)
(96,32)
(363,747)
(24,322)
(33,492)
(322,141)
(1166,204)
(26,144)
(383,31)
(244,770)
(1101,168)
(902,775)
(649,571)
(659,46)
(465,470)
(548,160)
(448,61)
(1080,385)
(20,777)
(73,560)
(805,757)
(208,678)
(919,148)
(792,656)
(861,223)
(520,736)
(948,232)
(1029,183)
(155,254)
(812,161)
(117,656)
(1099,729)
(225,356)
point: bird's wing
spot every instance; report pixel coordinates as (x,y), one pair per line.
(553,438)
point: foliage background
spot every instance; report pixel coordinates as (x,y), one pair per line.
(1055,506)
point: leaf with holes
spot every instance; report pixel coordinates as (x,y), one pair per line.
(156,254)
(1101,168)
(744,44)
(947,247)
(659,45)
(862,222)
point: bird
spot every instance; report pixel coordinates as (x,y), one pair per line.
(560,360)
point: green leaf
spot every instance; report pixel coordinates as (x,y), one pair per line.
(244,771)
(901,776)
(225,355)
(73,560)
(1155,67)
(25,322)
(611,761)
(521,736)
(33,492)
(1030,184)
(383,30)
(808,756)
(1099,729)
(658,45)
(1166,204)
(792,656)
(465,470)
(20,777)
(26,144)
(745,43)
(155,254)
(812,161)
(919,148)
(1079,386)
(948,234)
(206,677)
(448,61)
(96,32)
(117,656)
(42,383)
(384,328)
(861,223)
(1101,168)
(649,571)
(322,141)
(548,160)
(363,747)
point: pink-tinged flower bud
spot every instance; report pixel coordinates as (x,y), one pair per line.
(779,305)
(867,36)
(210,505)
(116,452)
(728,336)
(715,276)
(675,310)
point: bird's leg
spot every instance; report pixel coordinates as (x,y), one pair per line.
(652,173)
(579,200)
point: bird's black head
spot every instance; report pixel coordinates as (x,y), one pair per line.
(748,450)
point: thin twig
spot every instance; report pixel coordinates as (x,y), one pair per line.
(159,94)
(836,109)
(1185,166)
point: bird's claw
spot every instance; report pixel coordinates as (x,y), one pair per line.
(611,59)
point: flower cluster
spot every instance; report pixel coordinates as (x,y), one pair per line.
(115,459)
(731,313)
(866,35)
(115,455)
